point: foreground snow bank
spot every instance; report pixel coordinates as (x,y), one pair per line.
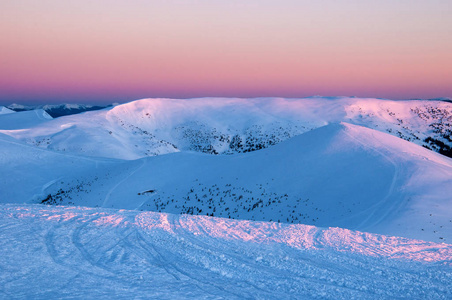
(91,252)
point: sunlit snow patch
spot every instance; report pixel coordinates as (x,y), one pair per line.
(90,252)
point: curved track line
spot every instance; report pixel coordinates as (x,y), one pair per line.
(364,223)
(107,197)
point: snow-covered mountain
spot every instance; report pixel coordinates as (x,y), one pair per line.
(338,175)
(21,107)
(91,204)
(224,126)
(4,110)
(57,110)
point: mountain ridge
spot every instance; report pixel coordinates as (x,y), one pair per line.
(57,110)
(152,127)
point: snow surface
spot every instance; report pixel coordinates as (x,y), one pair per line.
(338,175)
(4,110)
(76,252)
(309,172)
(151,127)
(23,119)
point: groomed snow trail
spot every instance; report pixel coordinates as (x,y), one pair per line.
(76,252)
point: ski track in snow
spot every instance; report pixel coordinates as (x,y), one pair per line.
(373,209)
(107,197)
(72,252)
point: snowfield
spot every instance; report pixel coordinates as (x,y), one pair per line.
(76,252)
(23,120)
(217,198)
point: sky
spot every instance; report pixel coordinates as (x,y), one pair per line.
(108,51)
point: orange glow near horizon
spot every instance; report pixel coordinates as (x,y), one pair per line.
(125,50)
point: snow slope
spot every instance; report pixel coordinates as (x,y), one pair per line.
(27,171)
(338,175)
(76,252)
(4,110)
(225,125)
(22,120)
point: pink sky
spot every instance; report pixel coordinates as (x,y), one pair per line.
(109,51)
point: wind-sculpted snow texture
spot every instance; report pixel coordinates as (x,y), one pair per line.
(152,127)
(75,252)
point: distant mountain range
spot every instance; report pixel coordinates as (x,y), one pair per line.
(57,110)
